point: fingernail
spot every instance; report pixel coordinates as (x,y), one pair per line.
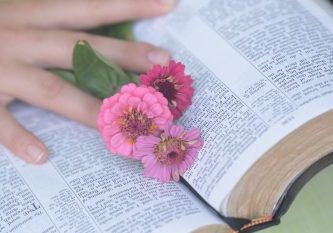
(168,3)
(158,56)
(35,153)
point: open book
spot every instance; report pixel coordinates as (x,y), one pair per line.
(263,73)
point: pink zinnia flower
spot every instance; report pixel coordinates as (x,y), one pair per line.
(133,112)
(174,84)
(168,156)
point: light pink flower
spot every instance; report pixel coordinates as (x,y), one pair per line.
(174,84)
(132,112)
(168,156)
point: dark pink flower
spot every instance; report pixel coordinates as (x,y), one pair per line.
(168,156)
(173,83)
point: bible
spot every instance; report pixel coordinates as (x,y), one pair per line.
(256,61)
(263,74)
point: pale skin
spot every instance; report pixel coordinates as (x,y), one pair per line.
(39,34)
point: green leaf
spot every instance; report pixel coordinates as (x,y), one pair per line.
(102,77)
(95,74)
(67,75)
(123,31)
(134,77)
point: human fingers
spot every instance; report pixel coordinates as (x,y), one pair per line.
(79,14)
(46,90)
(4,99)
(20,141)
(53,48)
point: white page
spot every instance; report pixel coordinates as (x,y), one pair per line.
(84,189)
(261,69)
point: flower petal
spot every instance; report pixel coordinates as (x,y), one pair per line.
(128,88)
(193,134)
(142,107)
(175,174)
(110,130)
(176,131)
(149,160)
(165,174)
(156,109)
(117,140)
(125,149)
(150,99)
(147,140)
(167,128)
(123,99)
(134,101)
(140,92)
(160,121)
(108,116)
(117,110)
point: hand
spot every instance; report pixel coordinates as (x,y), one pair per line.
(37,34)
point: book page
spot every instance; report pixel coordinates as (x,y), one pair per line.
(325,5)
(262,68)
(84,189)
